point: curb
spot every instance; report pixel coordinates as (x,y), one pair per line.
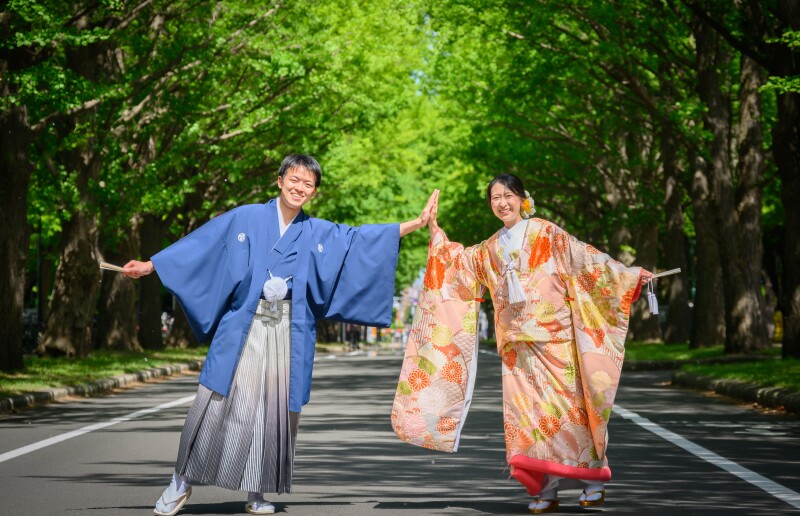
(31,399)
(772,397)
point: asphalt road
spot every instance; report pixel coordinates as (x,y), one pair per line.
(672,451)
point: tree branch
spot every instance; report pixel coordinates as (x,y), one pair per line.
(750,51)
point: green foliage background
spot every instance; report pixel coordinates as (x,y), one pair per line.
(195,103)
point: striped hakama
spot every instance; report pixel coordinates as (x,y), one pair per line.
(246,441)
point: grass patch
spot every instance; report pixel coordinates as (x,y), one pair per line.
(773,373)
(45,373)
(779,373)
(667,352)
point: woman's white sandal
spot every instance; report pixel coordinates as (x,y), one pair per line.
(589,499)
(543,505)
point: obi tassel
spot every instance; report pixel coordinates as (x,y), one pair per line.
(516,294)
(652,300)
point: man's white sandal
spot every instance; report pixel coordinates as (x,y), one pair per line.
(259,507)
(171,498)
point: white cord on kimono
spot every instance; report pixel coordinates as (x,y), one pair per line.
(652,301)
(516,294)
(275,289)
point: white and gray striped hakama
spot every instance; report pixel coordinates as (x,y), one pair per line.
(246,441)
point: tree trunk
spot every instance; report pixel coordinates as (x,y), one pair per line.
(750,172)
(645,326)
(679,317)
(619,245)
(117,321)
(708,313)
(15,173)
(759,24)
(47,280)
(745,329)
(71,311)
(150,303)
(786,138)
(72,307)
(786,149)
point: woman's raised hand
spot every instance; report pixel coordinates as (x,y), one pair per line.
(428,215)
(432,208)
(424,219)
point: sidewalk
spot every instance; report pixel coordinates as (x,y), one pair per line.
(766,396)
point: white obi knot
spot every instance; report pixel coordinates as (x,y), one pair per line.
(516,294)
(275,289)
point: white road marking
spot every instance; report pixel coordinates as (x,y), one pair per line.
(773,488)
(91,428)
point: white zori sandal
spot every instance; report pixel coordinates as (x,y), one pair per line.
(593,495)
(173,498)
(545,502)
(257,505)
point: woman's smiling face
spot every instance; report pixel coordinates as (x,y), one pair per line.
(505,204)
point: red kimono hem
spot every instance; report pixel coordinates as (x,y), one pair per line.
(530,472)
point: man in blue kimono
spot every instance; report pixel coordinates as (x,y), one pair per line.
(253,281)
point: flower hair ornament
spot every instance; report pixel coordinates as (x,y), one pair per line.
(527,207)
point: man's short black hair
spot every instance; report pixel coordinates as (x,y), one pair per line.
(302,161)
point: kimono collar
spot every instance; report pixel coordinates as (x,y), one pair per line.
(278,242)
(283,226)
(511,240)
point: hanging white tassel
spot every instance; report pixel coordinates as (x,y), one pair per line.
(652,301)
(275,289)
(516,294)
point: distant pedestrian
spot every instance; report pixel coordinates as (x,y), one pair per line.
(354,336)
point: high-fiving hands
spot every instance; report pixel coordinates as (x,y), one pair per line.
(428,215)
(426,218)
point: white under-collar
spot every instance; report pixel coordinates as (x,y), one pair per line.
(510,239)
(283,226)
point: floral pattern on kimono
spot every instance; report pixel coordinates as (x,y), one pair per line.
(561,348)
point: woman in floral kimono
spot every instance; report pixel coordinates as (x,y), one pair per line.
(561,314)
